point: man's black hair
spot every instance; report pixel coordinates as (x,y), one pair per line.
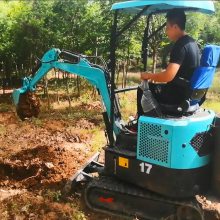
(177,16)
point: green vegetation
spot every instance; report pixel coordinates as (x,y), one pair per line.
(29,28)
(37,122)
(2,130)
(53,195)
(4,107)
(213,96)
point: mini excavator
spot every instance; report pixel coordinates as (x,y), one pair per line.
(156,173)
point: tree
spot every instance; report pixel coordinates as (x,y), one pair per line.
(210,33)
(29,28)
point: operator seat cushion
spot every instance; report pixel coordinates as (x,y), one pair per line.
(199,84)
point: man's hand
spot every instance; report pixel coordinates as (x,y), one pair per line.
(164,76)
(145,76)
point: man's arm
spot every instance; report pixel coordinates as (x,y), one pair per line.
(162,77)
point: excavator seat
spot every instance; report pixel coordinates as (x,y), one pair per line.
(199,84)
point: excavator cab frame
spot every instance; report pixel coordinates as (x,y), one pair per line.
(144,8)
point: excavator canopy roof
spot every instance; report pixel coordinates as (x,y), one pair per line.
(157,6)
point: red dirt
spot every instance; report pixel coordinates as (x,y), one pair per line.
(41,167)
(37,157)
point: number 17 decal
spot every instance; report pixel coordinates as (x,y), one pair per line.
(145,167)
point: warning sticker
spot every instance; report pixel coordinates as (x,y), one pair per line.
(123,162)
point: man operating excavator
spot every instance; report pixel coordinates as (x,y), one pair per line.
(170,86)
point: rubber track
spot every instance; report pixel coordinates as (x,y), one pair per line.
(111,184)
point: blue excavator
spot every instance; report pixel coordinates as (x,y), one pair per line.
(156,173)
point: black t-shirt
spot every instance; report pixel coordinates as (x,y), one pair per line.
(186,53)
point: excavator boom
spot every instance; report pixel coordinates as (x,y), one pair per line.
(73,64)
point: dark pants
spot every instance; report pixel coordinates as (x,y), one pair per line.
(168,94)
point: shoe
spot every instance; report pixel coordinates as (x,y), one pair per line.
(131,127)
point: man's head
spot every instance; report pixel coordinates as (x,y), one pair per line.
(176,22)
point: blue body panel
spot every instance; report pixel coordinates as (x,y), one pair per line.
(165,5)
(167,142)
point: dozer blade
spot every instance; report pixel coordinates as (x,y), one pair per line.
(27,104)
(84,175)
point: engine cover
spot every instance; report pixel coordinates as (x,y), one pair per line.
(172,157)
(177,143)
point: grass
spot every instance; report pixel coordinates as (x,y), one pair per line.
(213,105)
(128,104)
(37,122)
(79,215)
(53,195)
(2,130)
(98,139)
(4,107)
(213,95)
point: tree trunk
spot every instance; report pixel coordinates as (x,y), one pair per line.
(124,73)
(154,67)
(117,72)
(78,86)
(127,66)
(67,90)
(46,93)
(57,85)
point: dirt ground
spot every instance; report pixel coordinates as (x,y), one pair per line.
(38,156)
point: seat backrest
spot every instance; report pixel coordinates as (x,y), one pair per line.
(199,84)
(203,76)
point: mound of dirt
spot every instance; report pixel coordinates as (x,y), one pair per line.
(34,207)
(16,136)
(37,157)
(210,205)
(43,166)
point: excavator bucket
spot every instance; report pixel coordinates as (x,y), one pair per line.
(16,95)
(27,104)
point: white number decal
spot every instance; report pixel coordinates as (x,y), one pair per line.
(145,168)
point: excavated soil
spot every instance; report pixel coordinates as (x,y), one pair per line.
(40,167)
(28,105)
(37,157)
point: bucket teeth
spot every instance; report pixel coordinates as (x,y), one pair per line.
(28,106)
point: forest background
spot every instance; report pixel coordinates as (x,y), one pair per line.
(38,156)
(29,28)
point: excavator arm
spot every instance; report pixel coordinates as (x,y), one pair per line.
(73,64)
